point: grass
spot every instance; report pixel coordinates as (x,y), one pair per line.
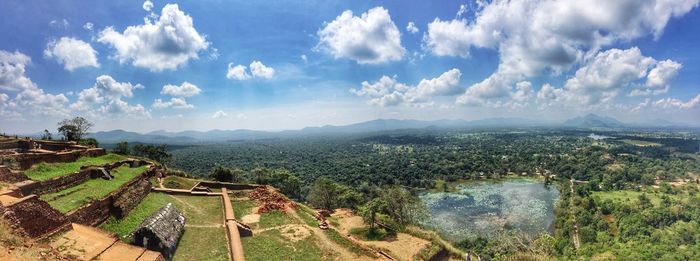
(175,182)
(626,196)
(370,234)
(641,143)
(202,243)
(271,245)
(243,207)
(46,171)
(307,215)
(345,242)
(94,189)
(275,218)
(199,210)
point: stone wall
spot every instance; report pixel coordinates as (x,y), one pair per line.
(9,176)
(34,217)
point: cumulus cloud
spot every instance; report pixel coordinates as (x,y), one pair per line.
(165,44)
(387,91)
(29,98)
(72,53)
(59,24)
(106,96)
(600,80)
(237,72)
(412,28)
(219,114)
(537,36)
(257,69)
(369,38)
(147,5)
(175,103)
(185,89)
(658,78)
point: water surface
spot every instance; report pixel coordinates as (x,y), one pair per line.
(485,208)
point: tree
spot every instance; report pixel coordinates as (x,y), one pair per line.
(47,135)
(222,174)
(90,142)
(369,211)
(155,152)
(323,193)
(122,148)
(260,174)
(74,129)
(402,207)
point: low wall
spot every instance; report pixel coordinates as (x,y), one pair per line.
(71,180)
(26,160)
(229,186)
(34,217)
(9,176)
(118,203)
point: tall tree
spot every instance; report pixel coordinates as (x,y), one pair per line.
(74,129)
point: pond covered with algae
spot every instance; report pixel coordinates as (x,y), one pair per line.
(486,208)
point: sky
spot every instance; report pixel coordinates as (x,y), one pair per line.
(273,65)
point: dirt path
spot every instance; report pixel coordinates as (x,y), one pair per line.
(193,207)
(327,242)
(577,241)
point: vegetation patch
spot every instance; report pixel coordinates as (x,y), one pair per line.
(641,143)
(275,218)
(199,210)
(272,245)
(345,242)
(94,189)
(370,234)
(243,207)
(175,182)
(203,243)
(46,171)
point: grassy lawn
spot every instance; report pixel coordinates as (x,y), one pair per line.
(243,207)
(271,245)
(275,218)
(345,242)
(175,182)
(627,196)
(199,210)
(202,243)
(93,189)
(46,171)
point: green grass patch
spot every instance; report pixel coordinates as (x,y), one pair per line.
(307,216)
(203,243)
(243,207)
(175,182)
(46,171)
(271,245)
(641,143)
(93,189)
(345,242)
(370,234)
(199,210)
(275,218)
(630,196)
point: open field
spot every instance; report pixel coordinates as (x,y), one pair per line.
(641,143)
(202,243)
(175,182)
(273,245)
(46,171)
(630,196)
(93,189)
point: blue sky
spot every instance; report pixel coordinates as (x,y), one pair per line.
(179,65)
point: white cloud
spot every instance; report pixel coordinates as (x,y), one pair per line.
(88,26)
(105,96)
(59,24)
(110,88)
(147,5)
(658,78)
(668,103)
(12,69)
(388,92)
(219,114)
(175,103)
(303,58)
(122,108)
(165,44)
(462,11)
(241,116)
(367,39)
(258,69)
(537,36)
(609,73)
(185,89)
(237,72)
(411,28)
(72,53)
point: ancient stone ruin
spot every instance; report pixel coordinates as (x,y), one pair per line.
(161,231)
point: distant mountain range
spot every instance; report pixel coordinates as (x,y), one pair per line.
(162,136)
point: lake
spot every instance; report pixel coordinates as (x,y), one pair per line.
(485,208)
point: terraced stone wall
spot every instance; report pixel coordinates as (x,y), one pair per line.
(34,217)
